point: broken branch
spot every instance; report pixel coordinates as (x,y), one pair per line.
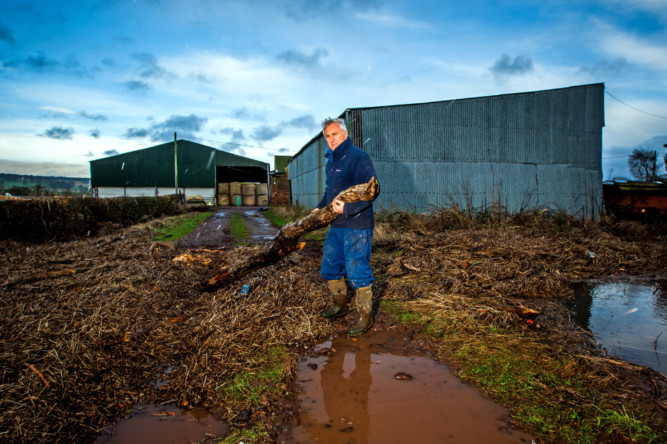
(287,239)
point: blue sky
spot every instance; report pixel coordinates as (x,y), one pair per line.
(80,80)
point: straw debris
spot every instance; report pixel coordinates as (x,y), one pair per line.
(96,325)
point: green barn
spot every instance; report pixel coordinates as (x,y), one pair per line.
(151,172)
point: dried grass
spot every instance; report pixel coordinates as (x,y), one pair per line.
(91,326)
(104,335)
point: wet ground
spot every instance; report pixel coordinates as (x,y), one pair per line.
(215,233)
(627,319)
(164,424)
(99,328)
(379,388)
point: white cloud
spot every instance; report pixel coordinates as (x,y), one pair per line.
(393,21)
(658,7)
(636,50)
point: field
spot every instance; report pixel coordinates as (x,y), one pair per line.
(91,325)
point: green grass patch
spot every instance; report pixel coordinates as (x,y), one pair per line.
(257,434)
(237,227)
(514,369)
(177,227)
(279,218)
(266,379)
(282,216)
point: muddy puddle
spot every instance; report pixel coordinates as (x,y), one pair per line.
(373,390)
(160,424)
(628,320)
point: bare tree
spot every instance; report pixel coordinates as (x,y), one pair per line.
(642,164)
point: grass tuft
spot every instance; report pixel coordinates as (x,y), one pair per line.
(176,227)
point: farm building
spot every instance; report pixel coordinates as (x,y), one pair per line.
(151,172)
(513,152)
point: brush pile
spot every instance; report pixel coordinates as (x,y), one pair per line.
(94,326)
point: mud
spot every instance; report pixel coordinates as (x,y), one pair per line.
(378,389)
(158,424)
(215,233)
(97,325)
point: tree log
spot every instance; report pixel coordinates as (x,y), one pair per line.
(287,239)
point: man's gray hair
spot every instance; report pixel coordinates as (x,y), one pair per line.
(328,121)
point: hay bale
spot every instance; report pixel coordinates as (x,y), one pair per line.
(248,189)
(249,200)
(262,200)
(223,188)
(261,189)
(223,200)
(235,188)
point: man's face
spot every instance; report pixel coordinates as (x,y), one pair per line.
(334,135)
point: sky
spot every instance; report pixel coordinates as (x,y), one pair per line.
(82,80)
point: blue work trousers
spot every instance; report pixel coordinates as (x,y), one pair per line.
(347,251)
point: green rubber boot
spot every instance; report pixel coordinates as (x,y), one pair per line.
(338,290)
(365,312)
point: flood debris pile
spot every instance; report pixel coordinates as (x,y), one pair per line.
(488,298)
(94,326)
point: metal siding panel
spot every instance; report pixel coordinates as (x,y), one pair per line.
(154,166)
(521,151)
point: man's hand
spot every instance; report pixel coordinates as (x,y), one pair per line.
(337,205)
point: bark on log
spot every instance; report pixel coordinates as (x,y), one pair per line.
(287,239)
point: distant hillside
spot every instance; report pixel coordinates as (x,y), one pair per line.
(18,184)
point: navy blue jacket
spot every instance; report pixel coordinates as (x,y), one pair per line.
(347,165)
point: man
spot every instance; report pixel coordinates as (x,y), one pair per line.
(347,246)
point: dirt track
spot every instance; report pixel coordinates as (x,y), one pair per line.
(214,232)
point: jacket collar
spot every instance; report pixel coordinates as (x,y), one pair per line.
(340,149)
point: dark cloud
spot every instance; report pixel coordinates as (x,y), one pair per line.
(75,67)
(58,132)
(108,62)
(284,150)
(302,60)
(123,39)
(110,153)
(41,63)
(89,154)
(97,117)
(237,134)
(95,133)
(202,78)
(137,86)
(605,68)
(305,122)
(136,133)
(245,114)
(6,35)
(34,63)
(233,148)
(505,66)
(265,133)
(148,66)
(184,126)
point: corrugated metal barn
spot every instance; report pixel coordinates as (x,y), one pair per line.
(513,152)
(151,172)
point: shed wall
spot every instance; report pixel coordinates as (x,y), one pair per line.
(198,167)
(517,152)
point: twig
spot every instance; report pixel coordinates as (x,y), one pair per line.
(39,374)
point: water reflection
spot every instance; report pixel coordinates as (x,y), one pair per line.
(372,390)
(627,319)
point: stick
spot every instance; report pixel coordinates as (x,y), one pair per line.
(287,239)
(39,374)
